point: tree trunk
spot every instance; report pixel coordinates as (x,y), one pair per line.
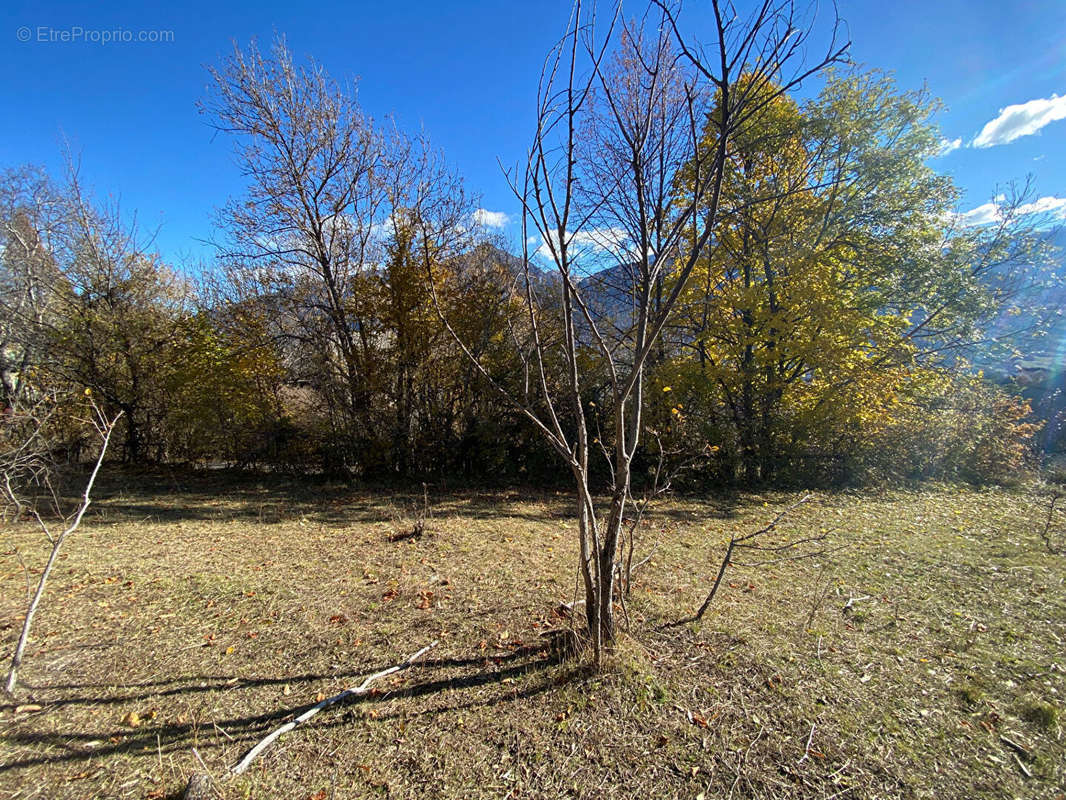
(134,449)
(599,592)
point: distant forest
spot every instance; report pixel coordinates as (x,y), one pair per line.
(841,326)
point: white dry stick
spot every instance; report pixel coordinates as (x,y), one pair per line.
(105,428)
(807,747)
(361,689)
(853,600)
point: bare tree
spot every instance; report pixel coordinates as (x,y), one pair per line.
(25,467)
(329,191)
(33,220)
(305,232)
(621,108)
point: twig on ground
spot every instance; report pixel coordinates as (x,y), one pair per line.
(853,600)
(359,690)
(807,747)
(1045,534)
(747,541)
(1017,748)
(1021,766)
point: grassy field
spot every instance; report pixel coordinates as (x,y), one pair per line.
(190,616)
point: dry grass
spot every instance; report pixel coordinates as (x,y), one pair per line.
(212,611)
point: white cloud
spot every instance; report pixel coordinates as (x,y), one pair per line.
(1056,206)
(984,214)
(988,213)
(613,241)
(491,219)
(1020,120)
(948,146)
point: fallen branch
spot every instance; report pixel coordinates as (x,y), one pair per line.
(358,691)
(1021,766)
(747,542)
(807,747)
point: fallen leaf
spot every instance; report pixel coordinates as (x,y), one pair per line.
(132,720)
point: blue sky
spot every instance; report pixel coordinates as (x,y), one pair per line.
(466,72)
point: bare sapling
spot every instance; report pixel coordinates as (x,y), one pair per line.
(1045,534)
(622,109)
(26,461)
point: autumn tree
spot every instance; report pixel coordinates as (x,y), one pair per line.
(117,318)
(328,195)
(341,220)
(840,283)
(88,304)
(222,384)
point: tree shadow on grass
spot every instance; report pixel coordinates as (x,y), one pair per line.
(153,741)
(273,499)
(269,502)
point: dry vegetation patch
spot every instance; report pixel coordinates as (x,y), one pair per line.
(197,615)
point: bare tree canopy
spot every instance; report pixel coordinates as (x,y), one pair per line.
(621,108)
